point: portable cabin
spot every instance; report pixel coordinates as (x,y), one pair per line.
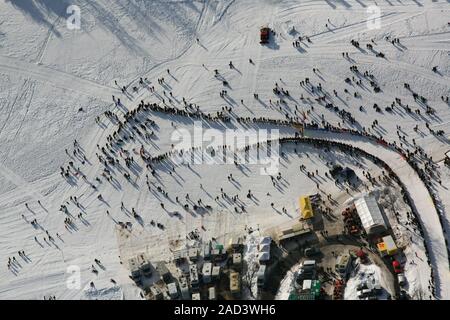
(343,264)
(387,247)
(206,272)
(144,265)
(193,276)
(307,285)
(173,290)
(237,260)
(212,293)
(134,269)
(264,34)
(235,283)
(193,254)
(215,274)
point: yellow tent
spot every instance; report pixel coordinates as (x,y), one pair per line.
(306,210)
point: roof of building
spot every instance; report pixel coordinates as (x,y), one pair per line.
(291,233)
(387,245)
(369,213)
(305,207)
(172,288)
(307,284)
(207,268)
(343,260)
(215,270)
(234,281)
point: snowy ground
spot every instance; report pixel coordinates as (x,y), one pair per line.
(370,274)
(48,72)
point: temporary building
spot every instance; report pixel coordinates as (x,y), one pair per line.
(193,254)
(307,284)
(173,290)
(215,274)
(370,215)
(196,296)
(207,269)
(291,232)
(387,247)
(237,259)
(144,264)
(235,285)
(306,210)
(212,293)
(134,268)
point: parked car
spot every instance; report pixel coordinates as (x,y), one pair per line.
(365,293)
(361,286)
(264,35)
(397,267)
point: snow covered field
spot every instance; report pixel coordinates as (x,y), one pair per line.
(54,82)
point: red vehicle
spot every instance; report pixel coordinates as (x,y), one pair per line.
(362,256)
(397,267)
(265,35)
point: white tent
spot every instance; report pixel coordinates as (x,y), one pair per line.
(370,215)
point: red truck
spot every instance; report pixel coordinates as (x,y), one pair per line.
(265,35)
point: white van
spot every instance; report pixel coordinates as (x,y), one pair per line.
(364,293)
